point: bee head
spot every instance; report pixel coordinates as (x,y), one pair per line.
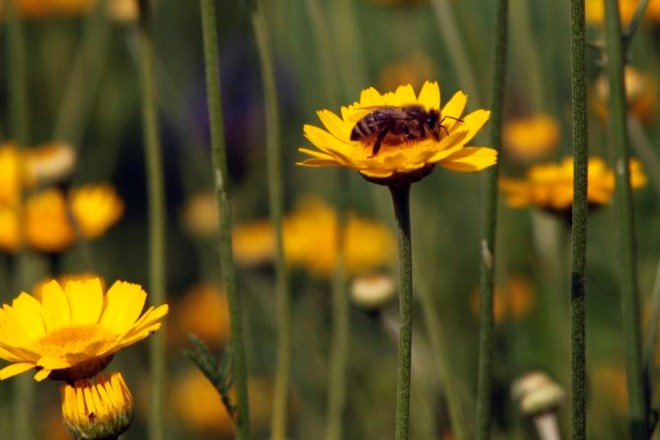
(432,119)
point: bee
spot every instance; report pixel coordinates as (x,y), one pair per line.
(390,125)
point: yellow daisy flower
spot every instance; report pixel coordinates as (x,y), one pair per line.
(95,208)
(404,141)
(10,182)
(595,11)
(73,332)
(207,300)
(530,138)
(101,410)
(199,215)
(550,186)
(254,243)
(121,10)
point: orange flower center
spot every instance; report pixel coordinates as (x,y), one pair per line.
(89,339)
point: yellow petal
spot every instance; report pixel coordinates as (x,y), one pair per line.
(316,154)
(474,121)
(405,95)
(320,163)
(42,374)
(471,159)
(326,142)
(57,312)
(14,369)
(86,299)
(124,302)
(429,96)
(454,108)
(335,125)
(370,97)
(53,363)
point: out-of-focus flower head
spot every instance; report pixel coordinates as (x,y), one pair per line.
(49,223)
(641,94)
(120,10)
(609,384)
(73,331)
(21,169)
(199,215)
(310,240)
(96,411)
(514,300)
(530,138)
(95,208)
(550,186)
(414,69)
(387,151)
(202,311)
(595,11)
(373,291)
(197,404)
(254,243)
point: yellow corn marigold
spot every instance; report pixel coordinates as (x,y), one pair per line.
(397,138)
(530,138)
(73,331)
(95,208)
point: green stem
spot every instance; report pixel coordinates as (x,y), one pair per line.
(527,50)
(579,221)
(156,201)
(401,201)
(646,151)
(487,267)
(84,78)
(630,31)
(18,114)
(652,331)
(454,44)
(339,349)
(623,205)
(218,151)
(276,199)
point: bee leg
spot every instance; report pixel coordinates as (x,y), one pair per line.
(379,140)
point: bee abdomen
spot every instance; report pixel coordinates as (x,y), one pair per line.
(363,128)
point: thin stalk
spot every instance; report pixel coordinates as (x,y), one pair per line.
(630,31)
(646,150)
(454,44)
(579,222)
(156,206)
(527,50)
(18,114)
(487,266)
(218,151)
(401,201)
(84,77)
(654,321)
(325,49)
(276,201)
(340,343)
(436,336)
(638,399)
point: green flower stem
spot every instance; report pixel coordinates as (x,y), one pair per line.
(339,349)
(401,201)
(276,190)
(634,24)
(84,77)
(487,266)
(156,201)
(652,330)
(18,114)
(527,49)
(218,151)
(454,45)
(325,49)
(623,206)
(579,222)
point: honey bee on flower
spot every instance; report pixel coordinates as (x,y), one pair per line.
(399,137)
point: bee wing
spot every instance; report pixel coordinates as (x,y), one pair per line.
(359,112)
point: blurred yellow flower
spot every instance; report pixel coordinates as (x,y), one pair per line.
(609,384)
(641,93)
(73,332)
(413,69)
(254,243)
(10,182)
(530,138)
(398,138)
(207,301)
(310,240)
(309,236)
(200,214)
(197,404)
(514,300)
(95,208)
(101,410)
(47,224)
(595,11)
(122,10)
(550,186)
